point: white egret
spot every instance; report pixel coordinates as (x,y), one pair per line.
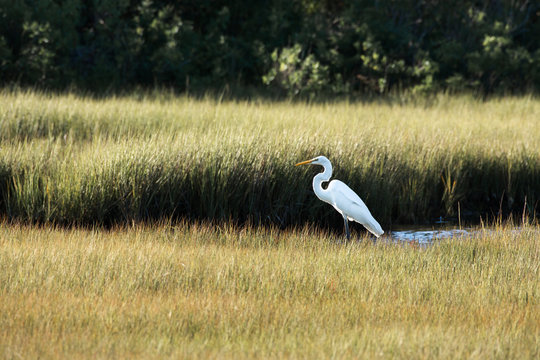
(342,198)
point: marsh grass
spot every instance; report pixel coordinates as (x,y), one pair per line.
(68,159)
(164,286)
(198,291)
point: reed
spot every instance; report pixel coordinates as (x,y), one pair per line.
(69,159)
(197,291)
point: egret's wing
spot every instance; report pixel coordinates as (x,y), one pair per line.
(348,203)
(345,197)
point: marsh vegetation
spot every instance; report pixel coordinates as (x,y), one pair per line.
(158,226)
(68,159)
(219,291)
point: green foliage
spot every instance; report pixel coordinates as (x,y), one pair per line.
(295,46)
(296,75)
(36,56)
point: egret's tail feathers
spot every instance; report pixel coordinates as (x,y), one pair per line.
(373,226)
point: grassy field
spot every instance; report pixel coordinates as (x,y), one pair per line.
(159,282)
(199,291)
(68,159)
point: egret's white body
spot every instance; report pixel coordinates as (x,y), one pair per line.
(342,198)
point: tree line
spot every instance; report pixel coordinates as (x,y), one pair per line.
(290,47)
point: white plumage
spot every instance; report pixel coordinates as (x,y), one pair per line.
(342,198)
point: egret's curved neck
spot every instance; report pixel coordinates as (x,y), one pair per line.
(319,179)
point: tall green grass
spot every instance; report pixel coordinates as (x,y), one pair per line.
(69,159)
(198,291)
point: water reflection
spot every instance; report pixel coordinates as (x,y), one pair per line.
(425,236)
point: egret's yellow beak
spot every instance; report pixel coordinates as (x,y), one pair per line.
(305,162)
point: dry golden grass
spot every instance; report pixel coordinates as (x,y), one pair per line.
(199,291)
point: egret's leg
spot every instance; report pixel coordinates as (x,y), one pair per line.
(347,227)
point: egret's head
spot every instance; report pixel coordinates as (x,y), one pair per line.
(319,160)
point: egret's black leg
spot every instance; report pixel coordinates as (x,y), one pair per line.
(347,227)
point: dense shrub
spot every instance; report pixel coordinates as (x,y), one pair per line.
(294,46)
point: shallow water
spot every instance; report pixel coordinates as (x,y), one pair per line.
(424,235)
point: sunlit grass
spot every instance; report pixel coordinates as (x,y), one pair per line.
(186,290)
(203,291)
(77,160)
